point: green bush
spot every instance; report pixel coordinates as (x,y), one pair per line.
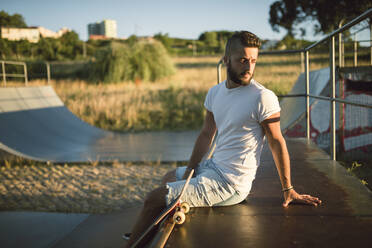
(141,60)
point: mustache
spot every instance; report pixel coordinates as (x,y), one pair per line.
(246,72)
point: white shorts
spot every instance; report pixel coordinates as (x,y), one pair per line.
(207,188)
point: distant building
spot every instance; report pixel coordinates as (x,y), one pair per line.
(97,37)
(105,29)
(46,33)
(32,34)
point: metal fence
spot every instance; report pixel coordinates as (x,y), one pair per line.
(332,58)
(13,75)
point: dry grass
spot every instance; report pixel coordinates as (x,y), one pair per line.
(173,103)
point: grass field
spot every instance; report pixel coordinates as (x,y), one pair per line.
(172,103)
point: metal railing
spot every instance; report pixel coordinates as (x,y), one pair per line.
(14,75)
(332,98)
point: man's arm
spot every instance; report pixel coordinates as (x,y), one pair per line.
(279,150)
(203,142)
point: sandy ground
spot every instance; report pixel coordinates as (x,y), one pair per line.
(77,188)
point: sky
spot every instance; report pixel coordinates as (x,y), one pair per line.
(181,19)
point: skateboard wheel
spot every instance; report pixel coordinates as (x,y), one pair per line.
(179,218)
(185,207)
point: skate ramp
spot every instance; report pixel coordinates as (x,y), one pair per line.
(294,108)
(353,123)
(35,124)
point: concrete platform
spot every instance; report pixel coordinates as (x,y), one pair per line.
(343,220)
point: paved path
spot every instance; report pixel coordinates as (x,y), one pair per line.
(343,220)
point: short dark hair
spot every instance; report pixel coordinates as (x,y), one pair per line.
(246,39)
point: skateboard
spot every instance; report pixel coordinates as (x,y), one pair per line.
(176,209)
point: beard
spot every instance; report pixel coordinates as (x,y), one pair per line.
(238,78)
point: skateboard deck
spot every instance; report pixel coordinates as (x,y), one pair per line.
(176,207)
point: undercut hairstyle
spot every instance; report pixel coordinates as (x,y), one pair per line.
(246,39)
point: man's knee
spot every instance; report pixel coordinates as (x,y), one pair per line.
(169,177)
(156,198)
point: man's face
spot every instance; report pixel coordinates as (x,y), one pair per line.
(241,64)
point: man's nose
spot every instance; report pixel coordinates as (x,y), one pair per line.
(247,66)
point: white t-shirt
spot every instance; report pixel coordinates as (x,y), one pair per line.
(238,113)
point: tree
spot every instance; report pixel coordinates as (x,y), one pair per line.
(210,39)
(15,20)
(70,46)
(165,40)
(5,49)
(327,13)
(215,40)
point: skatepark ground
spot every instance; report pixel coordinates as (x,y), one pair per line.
(343,220)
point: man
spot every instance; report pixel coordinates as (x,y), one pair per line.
(243,112)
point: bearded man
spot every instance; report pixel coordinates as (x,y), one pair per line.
(244,112)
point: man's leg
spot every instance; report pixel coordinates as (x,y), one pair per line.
(153,205)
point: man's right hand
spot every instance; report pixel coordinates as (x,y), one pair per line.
(292,196)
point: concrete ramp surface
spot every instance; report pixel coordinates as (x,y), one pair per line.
(35,124)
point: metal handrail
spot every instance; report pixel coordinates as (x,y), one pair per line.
(281,52)
(326,98)
(5,75)
(348,25)
(341,101)
(333,99)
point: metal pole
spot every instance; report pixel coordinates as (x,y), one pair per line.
(355,51)
(307,88)
(370,37)
(48,71)
(333,103)
(302,62)
(341,59)
(219,66)
(25,73)
(4,73)
(340,53)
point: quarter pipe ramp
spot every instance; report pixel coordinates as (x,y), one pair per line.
(35,124)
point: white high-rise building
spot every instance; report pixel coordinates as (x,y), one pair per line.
(109,27)
(105,28)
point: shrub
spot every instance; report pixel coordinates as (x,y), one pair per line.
(141,60)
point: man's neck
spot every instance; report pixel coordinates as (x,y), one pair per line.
(231,84)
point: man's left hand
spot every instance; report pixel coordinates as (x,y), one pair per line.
(292,196)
